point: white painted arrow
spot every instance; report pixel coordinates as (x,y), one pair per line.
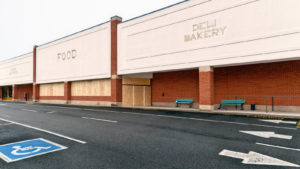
(257,159)
(267,134)
(279,121)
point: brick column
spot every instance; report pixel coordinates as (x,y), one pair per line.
(14,92)
(116,81)
(67,91)
(36,87)
(1,96)
(36,92)
(206,88)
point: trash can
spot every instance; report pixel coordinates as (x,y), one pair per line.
(252,107)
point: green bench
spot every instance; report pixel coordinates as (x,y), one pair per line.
(233,103)
(184,101)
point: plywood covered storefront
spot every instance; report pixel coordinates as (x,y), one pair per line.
(54,89)
(91,88)
(136,92)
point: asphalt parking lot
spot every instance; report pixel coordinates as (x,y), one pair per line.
(115,138)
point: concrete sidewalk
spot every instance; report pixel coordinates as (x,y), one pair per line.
(258,114)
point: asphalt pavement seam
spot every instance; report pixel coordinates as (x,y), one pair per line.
(29,110)
(6,124)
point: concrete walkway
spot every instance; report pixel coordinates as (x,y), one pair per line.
(259,114)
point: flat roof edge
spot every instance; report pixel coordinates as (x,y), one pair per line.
(72,34)
(169,6)
(15,57)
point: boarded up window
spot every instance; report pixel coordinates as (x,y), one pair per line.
(91,88)
(54,89)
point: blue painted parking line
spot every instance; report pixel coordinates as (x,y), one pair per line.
(27,149)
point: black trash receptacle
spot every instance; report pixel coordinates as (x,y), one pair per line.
(252,107)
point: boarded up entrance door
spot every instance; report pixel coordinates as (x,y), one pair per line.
(136,92)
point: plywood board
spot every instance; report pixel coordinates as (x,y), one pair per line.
(147,95)
(136,81)
(139,99)
(54,89)
(91,88)
(127,95)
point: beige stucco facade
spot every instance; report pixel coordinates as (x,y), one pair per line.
(81,56)
(16,70)
(199,33)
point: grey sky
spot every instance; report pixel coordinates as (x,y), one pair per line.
(25,23)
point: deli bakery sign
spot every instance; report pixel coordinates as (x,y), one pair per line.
(205,30)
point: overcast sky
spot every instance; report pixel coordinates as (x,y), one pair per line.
(25,23)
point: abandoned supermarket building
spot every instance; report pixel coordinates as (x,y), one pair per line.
(205,50)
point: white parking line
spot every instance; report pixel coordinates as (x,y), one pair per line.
(46,131)
(197,119)
(51,112)
(2,104)
(184,118)
(65,107)
(279,121)
(110,121)
(100,110)
(286,148)
(29,110)
(213,121)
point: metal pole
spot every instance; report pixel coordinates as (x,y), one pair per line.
(235,105)
(272,103)
(266,104)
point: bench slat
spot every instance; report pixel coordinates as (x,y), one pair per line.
(233,102)
(188,101)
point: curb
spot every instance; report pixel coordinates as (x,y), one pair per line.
(270,115)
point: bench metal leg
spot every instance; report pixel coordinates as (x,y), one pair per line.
(220,106)
(176,104)
(242,107)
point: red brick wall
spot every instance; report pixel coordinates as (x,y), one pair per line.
(181,84)
(206,88)
(21,89)
(67,90)
(282,78)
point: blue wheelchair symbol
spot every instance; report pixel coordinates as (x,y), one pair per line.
(26,149)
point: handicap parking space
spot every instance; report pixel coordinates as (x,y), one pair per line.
(26,149)
(22,147)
